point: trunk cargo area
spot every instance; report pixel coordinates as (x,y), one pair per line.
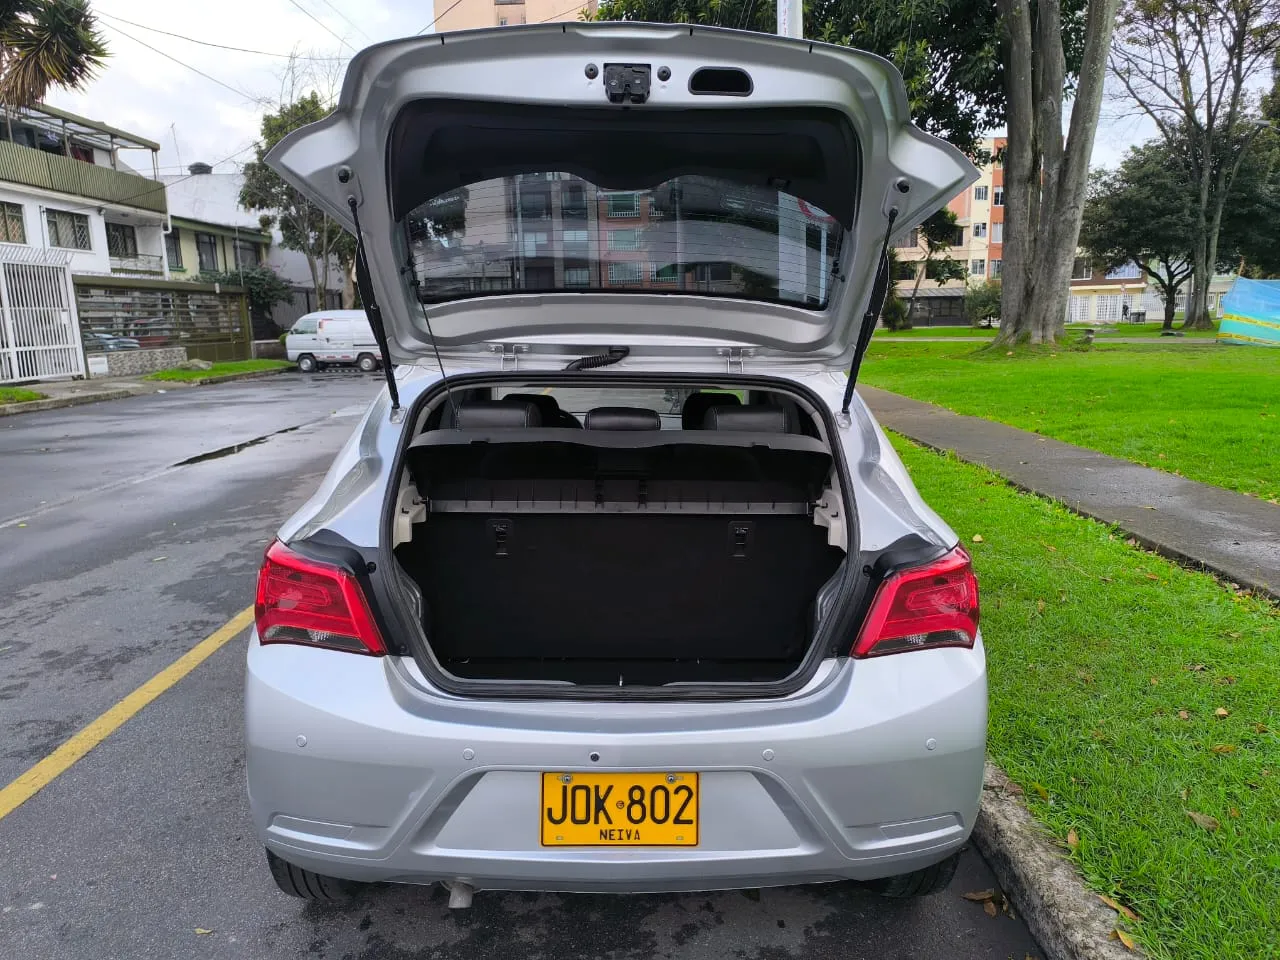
(618,558)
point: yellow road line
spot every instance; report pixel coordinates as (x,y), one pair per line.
(47,770)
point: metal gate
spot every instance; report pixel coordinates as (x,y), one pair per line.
(39,331)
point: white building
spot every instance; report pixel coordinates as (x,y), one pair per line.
(65,186)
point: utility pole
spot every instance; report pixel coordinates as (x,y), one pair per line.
(792,253)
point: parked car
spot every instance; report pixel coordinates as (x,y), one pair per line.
(94,341)
(332,337)
(534,631)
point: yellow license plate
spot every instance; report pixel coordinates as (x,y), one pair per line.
(619,810)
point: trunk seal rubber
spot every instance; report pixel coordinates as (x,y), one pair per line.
(851,573)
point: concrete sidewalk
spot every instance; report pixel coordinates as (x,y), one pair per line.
(1234,536)
(72,393)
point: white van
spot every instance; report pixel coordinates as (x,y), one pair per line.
(332,337)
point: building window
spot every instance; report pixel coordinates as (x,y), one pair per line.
(905,270)
(958,239)
(628,272)
(980,193)
(246,254)
(997,199)
(573,202)
(69,230)
(12,229)
(122,240)
(207,252)
(535,204)
(979,231)
(1130,271)
(624,239)
(624,205)
(502,21)
(910,240)
(1082,269)
(995,269)
(997,233)
(575,236)
(669,273)
(978,268)
(173,249)
(577,276)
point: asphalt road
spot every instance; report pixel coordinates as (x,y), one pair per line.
(120,549)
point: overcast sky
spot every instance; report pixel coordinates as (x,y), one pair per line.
(214,117)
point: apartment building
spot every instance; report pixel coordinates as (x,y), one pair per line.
(475,14)
(64,186)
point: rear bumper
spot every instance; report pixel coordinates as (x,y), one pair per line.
(357,770)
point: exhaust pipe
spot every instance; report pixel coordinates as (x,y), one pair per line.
(460,894)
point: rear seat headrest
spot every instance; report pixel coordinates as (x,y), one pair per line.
(623,418)
(548,407)
(497,414)
(754,419)
(693,415)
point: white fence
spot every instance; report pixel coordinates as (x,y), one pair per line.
(1109,307)
(39,331)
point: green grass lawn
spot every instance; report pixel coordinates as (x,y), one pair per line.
(1125,693)
(1151,329)
(916,332)
(1208,411)
(19,395)
(220,370)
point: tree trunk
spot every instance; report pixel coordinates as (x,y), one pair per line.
(1019,231)
(1169,303)
(911,303)
(348,286)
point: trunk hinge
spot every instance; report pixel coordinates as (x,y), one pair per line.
(733,357)
(510,354)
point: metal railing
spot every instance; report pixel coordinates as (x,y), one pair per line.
(143,263)
(51,171)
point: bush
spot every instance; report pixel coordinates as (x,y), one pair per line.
(263,285)
(894,313)
(982,303)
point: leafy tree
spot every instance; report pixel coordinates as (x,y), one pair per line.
(936,236)
(264,287)
(1189,65)
(303,225)
(1142,213)
(982,303)
(46,43)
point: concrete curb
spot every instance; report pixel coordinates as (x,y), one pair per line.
(55,403)
(75,400)
(1065,917)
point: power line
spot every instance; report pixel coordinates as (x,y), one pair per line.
(220,46)
(228,86)
(354,26)
(437,19)
(324,26)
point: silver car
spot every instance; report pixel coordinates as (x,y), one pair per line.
(618,586)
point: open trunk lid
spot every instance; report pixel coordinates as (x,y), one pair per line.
(603,182)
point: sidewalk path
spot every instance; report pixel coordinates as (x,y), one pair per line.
(72,393)
(1234,536)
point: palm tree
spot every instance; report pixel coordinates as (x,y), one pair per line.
(44,44)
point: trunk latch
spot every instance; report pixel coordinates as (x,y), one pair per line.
(739,537)
(627,82)
(501,531)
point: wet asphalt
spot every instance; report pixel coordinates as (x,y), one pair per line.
(122,545)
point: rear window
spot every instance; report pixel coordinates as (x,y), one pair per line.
(555,232)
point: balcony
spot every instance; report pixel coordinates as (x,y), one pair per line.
(138,265)
(49,171)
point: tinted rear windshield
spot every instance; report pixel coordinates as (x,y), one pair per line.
(554,232)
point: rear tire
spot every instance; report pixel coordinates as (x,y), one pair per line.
(306,885)
(367,362)
(918,883)
(307,363)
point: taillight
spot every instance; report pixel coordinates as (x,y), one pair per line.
(302,601)
(935,605)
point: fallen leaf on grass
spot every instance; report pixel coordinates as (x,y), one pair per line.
(1225,681)
(977,538)
(1152,576)
(1222,713)
(1073,838)
(1234,635)
(1203,820)
(1106,580)
(1196,667)
(1039,606)
(1223,748)
(1119,908)
(980,896)
(1048,546)
(1233,812)
(990,909)
(1155,681)
(1183,715)
(1040,791)
(1131,542)
(1013,789)
(1184,793)
(1257,727)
